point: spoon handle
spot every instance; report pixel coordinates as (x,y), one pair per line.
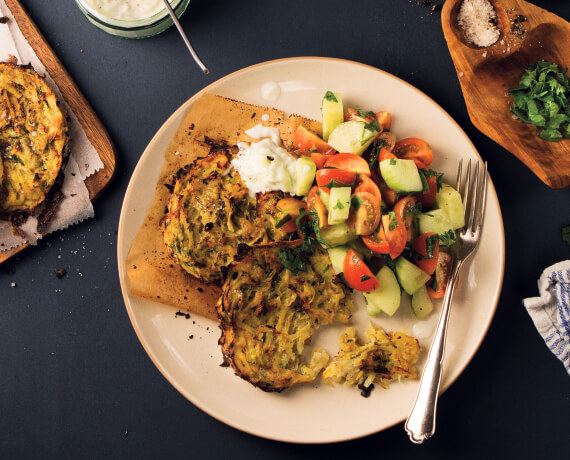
(185,38)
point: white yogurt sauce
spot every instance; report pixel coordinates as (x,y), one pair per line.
(270,91)
(128,10)
(265,165)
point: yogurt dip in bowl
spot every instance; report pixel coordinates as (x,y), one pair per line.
(131,18)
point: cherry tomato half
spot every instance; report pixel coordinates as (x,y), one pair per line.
(384,119)
(288,209)
(364,214)
(357,274)
(320,159)
(349,162)
(308,142)
(315,203)
(377,242)
(366,184)
(327,178)
(353,114)
(415,149)
(385,155)
(395,231)
(401,207)
(427,198)
(420,246)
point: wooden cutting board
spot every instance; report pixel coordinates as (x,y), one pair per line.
(486,74)
(94,129)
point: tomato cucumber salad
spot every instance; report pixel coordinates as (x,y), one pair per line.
(387,219)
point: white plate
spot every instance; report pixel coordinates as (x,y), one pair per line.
(314,413)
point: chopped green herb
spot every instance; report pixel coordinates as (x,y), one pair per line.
(392,161)
(356,202)
(364,278)
(430,248)
(393,221)
(338,183)
(338,205)
(329,96)
(373,126)
(364,114)
(542,99)
(283,221)
(425,173)
(414,210)
(447,238)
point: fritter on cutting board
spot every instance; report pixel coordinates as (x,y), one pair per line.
(33,135)
(268,314)
(210,215)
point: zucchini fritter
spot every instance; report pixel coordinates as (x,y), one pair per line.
(386,356)
(33,134)
(267,315)
(210,214)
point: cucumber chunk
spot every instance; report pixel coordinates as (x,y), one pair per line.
(387,297)
(332,113)
(337,255)
(450,201)
(305,169)
(351,137)
(410,276)
(421,303)
(339,205)
(337,235)
(437,221)
(402,176)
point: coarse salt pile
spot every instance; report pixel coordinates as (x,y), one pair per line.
(477,18)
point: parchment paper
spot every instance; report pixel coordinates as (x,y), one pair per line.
(150,270)
(84,159)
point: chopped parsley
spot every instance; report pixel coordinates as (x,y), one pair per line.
(414,210)
(295,259)
(392,161)
(542,99)
(394,224)
(430,248)
(283,221)
(364,114)
(373,126)
(425,173)
(338,205)
(329,96)
(356,202)
(447,238)
(364,278)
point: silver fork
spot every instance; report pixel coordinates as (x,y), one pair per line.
(420,424)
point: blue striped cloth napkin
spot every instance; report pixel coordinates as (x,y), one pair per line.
(551,311)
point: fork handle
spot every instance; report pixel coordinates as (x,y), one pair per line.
(420,424)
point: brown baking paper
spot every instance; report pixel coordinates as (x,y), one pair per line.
(152,273)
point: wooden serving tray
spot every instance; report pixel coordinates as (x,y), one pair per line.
(486,74)
(94,129)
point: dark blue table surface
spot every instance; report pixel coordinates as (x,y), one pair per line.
(74,379)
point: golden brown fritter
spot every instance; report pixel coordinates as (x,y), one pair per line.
(268,314)
(386,357)
(210,215)
(33,135)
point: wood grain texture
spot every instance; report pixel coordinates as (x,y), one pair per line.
(486,75)
(94,129)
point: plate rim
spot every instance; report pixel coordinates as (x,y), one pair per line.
(129,191)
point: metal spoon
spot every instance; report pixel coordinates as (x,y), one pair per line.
(185,38)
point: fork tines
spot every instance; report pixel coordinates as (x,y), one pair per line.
(473,189)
